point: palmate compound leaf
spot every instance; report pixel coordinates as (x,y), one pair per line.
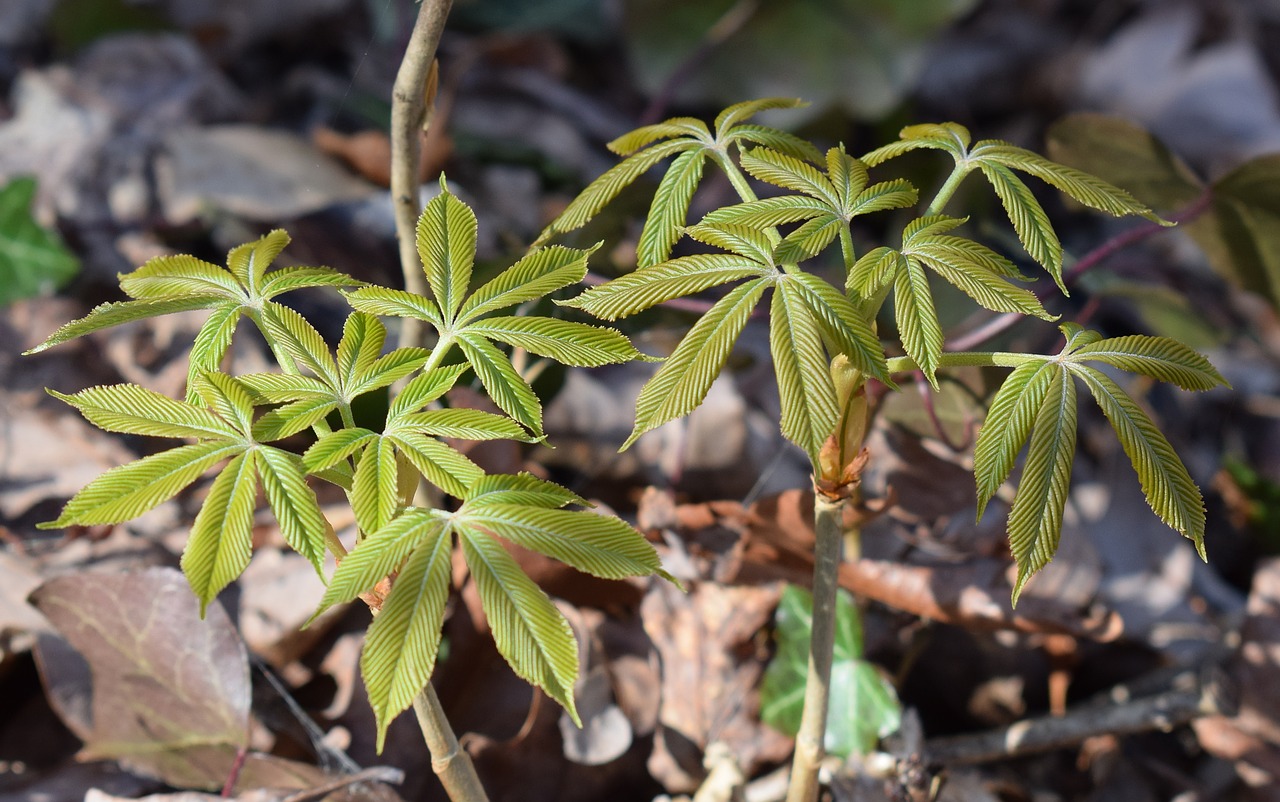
(997,161)
(1038,400)
(169,284)
(692,143)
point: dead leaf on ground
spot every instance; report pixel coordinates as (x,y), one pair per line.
(167,693)
(712,662)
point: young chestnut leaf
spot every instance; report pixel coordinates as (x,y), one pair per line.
(1037,403)
(692,143)
(168,284)
(997,160)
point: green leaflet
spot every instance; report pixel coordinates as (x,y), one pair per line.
(249,262)
(529,631)
(363,336)
(502,382)
(669,209)
(804,380)
(423,389)
(997,160)
(335,447)
(106,315)
(403,641)
(441,464)
(844,329)
(684,379)
(649,286)
(1168,487)
(127,491)
(917,320)
(694,143)
(565,341)
(130,409)
(212,342)
(463,424)
(395,303)
(379,554)
(1008,425)
(375,490)
(521,488)
(446,240)
(535,276)
(294,503)
(1035,522)
(225,396)
(221,539)
(299,339)
(1158,357)
(600,545)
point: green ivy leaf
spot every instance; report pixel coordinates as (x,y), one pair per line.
(862,705)
(33,259)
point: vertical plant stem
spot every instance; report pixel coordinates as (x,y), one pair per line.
(450,763)
(408,116)
(828,514)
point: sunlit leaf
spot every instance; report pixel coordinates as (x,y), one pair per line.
(844,329)
(600,545)
(113,314)
(375,489)
(446,240)
(1035,521)
(529,631)
(249,262)
(1008,424)
(522,488)
(363,336)
(130,409)
(804,381)
(225,396)
(502,382)
(738,112)
(669,208)
(170,276)
(565,341)
(684,379)
(917,321)
(291,418)
(287,279)
(388,369)
(632,141)
(423,389)
(403,641)
(378,555)
(395,303)
(1029,219)
(127,491)
(650,286)
(300,340)
(221,539)
(1161,358)
(536,275)
(441,464)
(293,502)
(211,344)
(334,447)
(1168,487)
(463,424)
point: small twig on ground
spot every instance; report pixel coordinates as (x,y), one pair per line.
(1196,697)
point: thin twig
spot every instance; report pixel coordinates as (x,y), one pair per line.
(1164,711)
(408,118)
(1086,263)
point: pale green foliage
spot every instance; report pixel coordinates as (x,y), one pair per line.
(997,161)
(230,422)
(1038,402)
(811,322)
(240,425)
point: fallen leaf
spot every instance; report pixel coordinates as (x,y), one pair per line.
(168,694)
